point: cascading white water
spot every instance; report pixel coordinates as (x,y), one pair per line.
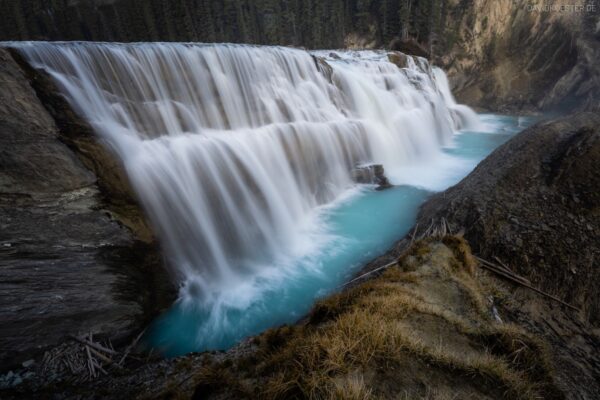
(230,148)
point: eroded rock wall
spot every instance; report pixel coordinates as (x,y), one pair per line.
(510,55)
(67,266)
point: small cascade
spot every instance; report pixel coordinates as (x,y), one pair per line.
(463,115)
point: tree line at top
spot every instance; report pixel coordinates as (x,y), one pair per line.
(307,23)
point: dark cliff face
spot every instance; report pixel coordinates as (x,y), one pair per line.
(534,204)
(67,265)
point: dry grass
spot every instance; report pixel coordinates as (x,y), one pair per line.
(353,340)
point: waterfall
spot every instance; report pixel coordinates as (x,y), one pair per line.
(462,114)
(232,148)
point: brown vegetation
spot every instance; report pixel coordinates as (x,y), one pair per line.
(422,329)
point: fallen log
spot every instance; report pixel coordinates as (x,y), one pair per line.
(130,347)
(523,282)
(368,273)
(491,266)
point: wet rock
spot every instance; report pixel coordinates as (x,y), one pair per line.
(383,183)
(398,58)
(67,266)
(371,174)
(363,174)
(106,169)
(323,67)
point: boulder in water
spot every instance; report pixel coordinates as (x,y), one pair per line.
(371,174)
(398,58)
(323,67)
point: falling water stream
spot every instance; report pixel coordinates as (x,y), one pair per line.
(242,157)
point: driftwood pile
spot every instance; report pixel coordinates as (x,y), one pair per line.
(85,359)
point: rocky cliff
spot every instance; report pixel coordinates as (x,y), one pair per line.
(510,55)
(68,263)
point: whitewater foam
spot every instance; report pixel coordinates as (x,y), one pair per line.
(236,151)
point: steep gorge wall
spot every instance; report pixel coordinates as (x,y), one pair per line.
(534,203)
(69,265)
(507,55)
